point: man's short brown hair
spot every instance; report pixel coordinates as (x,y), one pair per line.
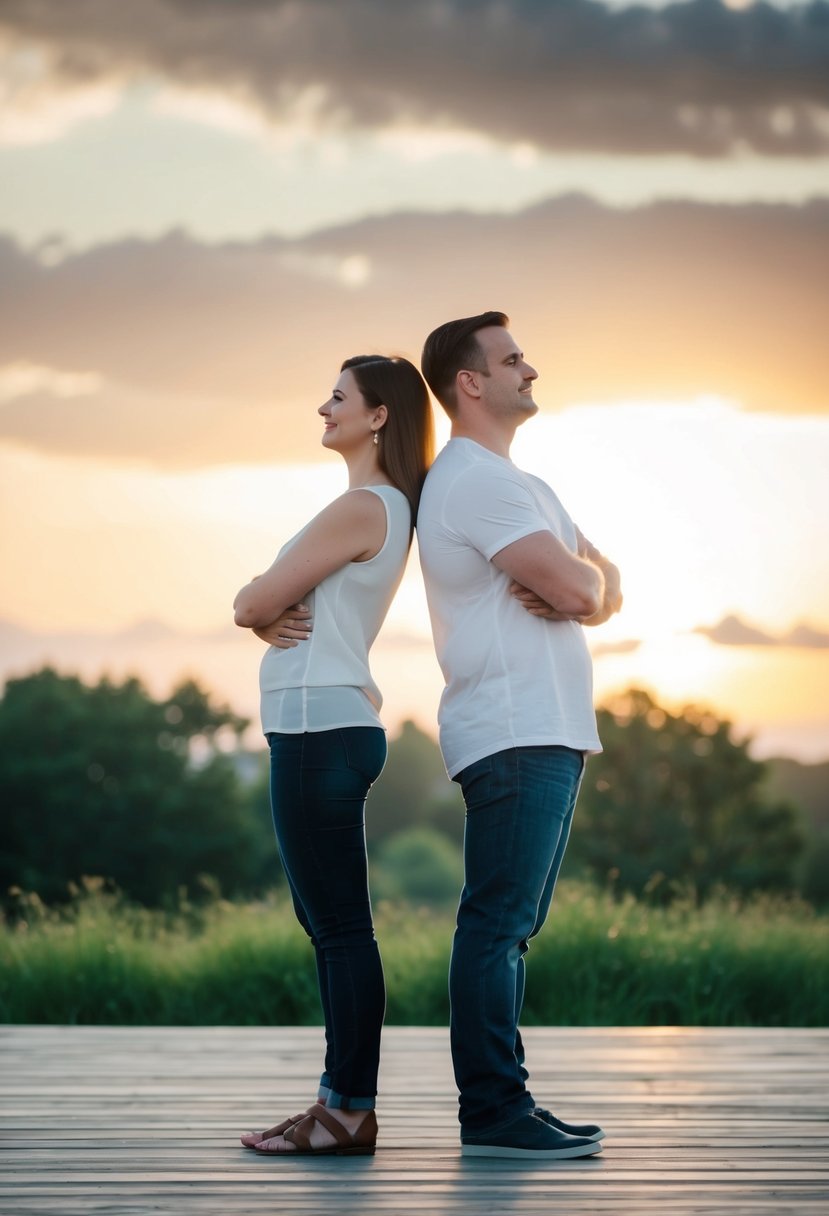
(454,347)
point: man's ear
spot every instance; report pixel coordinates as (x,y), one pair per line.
(468,381)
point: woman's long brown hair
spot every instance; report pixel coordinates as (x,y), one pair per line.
(406,443)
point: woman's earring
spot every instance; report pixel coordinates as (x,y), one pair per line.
(376,441)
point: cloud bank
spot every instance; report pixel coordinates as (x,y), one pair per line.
(732,631)
(184,354)
(697,77)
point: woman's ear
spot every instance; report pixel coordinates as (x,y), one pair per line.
(380,415)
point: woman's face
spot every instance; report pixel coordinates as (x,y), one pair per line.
(348,421)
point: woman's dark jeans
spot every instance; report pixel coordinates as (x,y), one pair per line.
(319,783)
(519,808)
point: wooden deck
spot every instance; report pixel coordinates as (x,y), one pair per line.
(130,1121)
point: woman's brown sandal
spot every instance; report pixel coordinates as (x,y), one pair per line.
(251,1139)
(361,1142)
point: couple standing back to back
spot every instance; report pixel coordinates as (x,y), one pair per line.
(510,581)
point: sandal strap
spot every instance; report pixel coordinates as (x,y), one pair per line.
(279,1129)
(302,1138)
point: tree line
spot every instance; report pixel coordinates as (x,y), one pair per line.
(155,796)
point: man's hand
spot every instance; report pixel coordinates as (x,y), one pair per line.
(536,606)
(611,598)
(286,631)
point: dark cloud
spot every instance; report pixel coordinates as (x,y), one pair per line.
(600,650)
(696,77)
(732,631)
(805,635)
(219,353)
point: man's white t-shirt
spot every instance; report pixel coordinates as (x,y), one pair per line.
(512,679)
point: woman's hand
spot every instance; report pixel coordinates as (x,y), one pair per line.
(286,631)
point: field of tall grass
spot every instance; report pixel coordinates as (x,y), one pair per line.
(598,961)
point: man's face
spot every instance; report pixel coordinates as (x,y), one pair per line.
(507,391)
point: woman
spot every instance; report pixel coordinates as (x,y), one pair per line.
(320,716)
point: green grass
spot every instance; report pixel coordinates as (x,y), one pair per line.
(597,962)
(729,963)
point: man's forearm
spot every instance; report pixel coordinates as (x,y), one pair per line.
(612,597)
(607,601)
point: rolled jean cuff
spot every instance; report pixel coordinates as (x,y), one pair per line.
(343,1102)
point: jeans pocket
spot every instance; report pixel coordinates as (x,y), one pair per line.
(365,750)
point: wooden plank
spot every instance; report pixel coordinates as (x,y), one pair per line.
(114,1121)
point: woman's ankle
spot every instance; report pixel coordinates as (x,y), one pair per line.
(348,1117)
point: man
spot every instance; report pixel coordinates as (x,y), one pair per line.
(510,581)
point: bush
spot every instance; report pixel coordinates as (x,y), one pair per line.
(104,780)
(674,802)
(420,865)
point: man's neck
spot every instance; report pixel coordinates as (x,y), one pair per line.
(490,437)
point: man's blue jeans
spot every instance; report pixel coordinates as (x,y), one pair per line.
(519,808)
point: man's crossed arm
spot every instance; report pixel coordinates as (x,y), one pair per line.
(551,582)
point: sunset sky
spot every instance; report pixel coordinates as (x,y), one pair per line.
(206,205)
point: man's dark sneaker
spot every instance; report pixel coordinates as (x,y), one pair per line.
(530,1138)
(588,1131)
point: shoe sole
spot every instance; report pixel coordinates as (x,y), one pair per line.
(534,1154)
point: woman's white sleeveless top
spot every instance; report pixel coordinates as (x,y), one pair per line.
(325,683)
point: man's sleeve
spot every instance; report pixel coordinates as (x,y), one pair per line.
(490,509)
